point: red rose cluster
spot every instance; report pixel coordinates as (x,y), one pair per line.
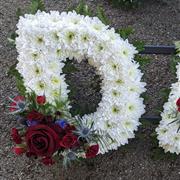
(45,139)
(45,135)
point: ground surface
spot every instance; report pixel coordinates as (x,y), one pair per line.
(156,23)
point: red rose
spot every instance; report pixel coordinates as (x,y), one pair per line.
(92,151)
(15,136)
(34,115)
(41,100)
(47,161)
(48,119)
(68,141)
(19,150)
(42,140)
(69,128)
(178,102)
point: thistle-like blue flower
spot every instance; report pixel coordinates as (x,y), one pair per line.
(17,105)
(84,130)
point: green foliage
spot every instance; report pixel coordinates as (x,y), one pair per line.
(101,15)
(139,45)
(157,153)
(19,13)
(19,80)
(82,9)
(69,67)
(164,93)
(32,9)
(125,32)
(126,3)
(173,63)
(47,108)
(32,104)
(145,97)
(177,45)
(35,6)
(142,60)
(11,38)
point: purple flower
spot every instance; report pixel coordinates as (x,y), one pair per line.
(62,123)
(31,122)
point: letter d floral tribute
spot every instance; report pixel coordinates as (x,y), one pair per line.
(48,131)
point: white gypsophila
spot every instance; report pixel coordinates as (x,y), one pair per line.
(46,40)
(168,134)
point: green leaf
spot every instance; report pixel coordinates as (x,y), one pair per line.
(164,93)
(83,9)
(177,45)
(145,96)
(20,145)
(20,86)
(101,15)
(36,5)
(12,38)
(19,13)
(157,153)
(142,60)
(19,80)
(125,32)
(69,67)
(12,70)
(173,63)
(139,45)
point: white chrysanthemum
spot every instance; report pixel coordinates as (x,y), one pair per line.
(46,40)
(168,130)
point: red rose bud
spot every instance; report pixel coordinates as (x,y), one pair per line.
(47,161)
(68,141)
(178,102)
(92,151)
(41,100)
(15,136)
(34,115)
(19,150)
